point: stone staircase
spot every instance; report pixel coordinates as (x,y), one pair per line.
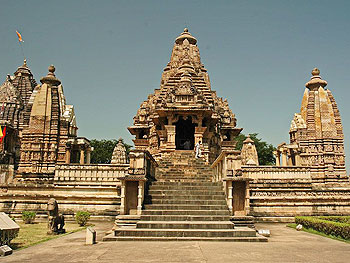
(184,204)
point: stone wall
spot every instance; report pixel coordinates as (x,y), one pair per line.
(280,193)
(92,174)
(93,188)
(276,172)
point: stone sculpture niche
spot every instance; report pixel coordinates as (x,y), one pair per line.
(56,220)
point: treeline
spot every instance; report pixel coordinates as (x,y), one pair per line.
(103,149)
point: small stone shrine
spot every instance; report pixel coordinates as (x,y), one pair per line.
(119,153)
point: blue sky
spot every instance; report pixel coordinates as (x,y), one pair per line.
(109,55)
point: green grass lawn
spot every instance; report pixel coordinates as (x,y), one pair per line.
(31,234)
(312,231)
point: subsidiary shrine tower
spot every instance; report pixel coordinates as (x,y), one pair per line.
(316,134)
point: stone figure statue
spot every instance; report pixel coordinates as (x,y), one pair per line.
(56,221)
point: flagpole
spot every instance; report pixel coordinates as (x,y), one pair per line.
(20,44)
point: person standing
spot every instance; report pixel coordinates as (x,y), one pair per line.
(198,149)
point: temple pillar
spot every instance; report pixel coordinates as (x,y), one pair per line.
(247,198)
(140,197)
(171,130)
(297,158)
(277,155)
(230,197)
(290,158)
(122,198)
(88,156)
(198,134)
(284,157)
(82,156)
(67,155)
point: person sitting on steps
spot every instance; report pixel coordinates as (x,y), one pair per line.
(187,145)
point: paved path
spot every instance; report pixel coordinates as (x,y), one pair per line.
(285,245)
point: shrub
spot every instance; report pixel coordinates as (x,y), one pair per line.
(82,217)
(328,227)
(28,217)
(340,219)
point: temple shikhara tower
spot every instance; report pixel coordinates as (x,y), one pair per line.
(15,93)
(161,190)
(316,134)
(184,110)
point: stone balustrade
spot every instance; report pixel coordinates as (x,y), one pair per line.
(226,164)
(227,169)
(276,172)
(133,185)
(92,174)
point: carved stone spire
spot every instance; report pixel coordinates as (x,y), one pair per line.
(318,131)
(119,153)
(185,55)
(249,154)
(316,80)
(186,35)
(24,82)
(51,77)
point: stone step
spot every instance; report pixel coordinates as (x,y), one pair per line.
(185,202)
(188,197)
(190,183)
(186,212)
(181,173)
(186,188)
(258,238)
(184,168)
(184,207)
(184,179)
(185,225)
(140,232)
(176,192)
(190,178)
(188,173)
(185,218)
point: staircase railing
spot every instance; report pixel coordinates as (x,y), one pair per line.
(227,169)
(141,170)
(226,164)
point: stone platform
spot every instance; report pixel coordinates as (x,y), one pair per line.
(284,245)
(184,204)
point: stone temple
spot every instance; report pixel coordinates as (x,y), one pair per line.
(184,109)
(160,191)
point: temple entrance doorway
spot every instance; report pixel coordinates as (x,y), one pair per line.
(184,138)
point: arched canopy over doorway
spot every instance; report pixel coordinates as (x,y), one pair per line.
(184,138)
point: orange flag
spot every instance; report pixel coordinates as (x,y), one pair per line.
(19,37)
(3,134)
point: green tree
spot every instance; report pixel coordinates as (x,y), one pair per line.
(103,150)
(264,149)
